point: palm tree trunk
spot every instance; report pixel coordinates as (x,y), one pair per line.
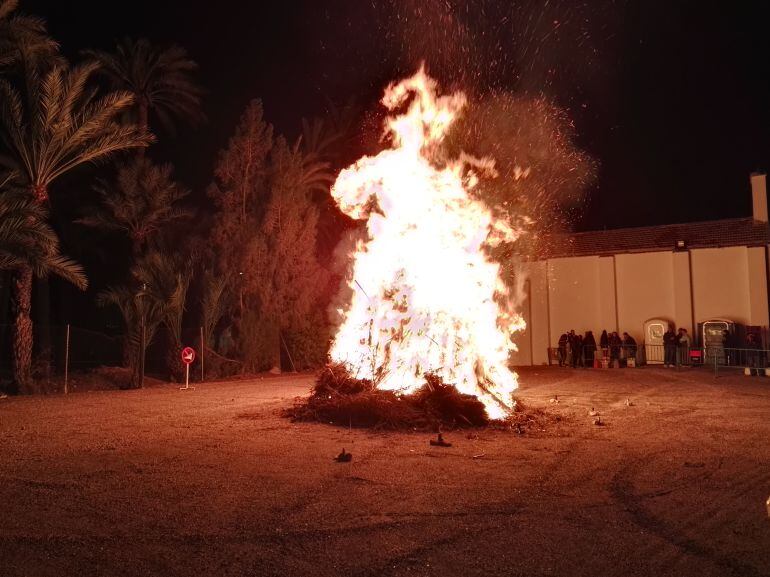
(22,337)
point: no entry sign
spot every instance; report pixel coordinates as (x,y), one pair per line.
(188,355)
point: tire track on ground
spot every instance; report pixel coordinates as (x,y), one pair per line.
(623,492)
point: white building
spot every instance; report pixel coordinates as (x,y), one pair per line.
(619,279)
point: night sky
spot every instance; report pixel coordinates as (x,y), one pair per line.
(671,98)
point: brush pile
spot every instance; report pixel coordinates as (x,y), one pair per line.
(341,399)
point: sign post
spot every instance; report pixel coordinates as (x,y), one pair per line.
(188,356)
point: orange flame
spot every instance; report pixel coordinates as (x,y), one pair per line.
(426,297)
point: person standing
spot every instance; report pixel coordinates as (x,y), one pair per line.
(604,344)
(669,347)
(629,347)
(589,348)
(754,346)
(563,349)
(615,345)
(579,351)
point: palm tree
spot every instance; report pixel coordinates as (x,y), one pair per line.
(22,38)
(214,301)
(160,79)
(165,285)
(329,139)
(26,239)
(28,243)
(142,315)
(57,124)
(141,203)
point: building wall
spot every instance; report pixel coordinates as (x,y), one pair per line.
(573,294)
(608,306)
(758,298)
(532,342)
(623,291)
(539,327)
(645,290)
(683,308)
(721,284)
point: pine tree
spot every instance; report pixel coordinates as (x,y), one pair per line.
(238,193)
(291,284)
(264,238)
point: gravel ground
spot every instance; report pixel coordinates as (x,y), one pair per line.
(213,482)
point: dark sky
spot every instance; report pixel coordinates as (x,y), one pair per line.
(671,98)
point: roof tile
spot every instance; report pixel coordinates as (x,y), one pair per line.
(708,234)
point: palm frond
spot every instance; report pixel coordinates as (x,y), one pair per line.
(62,267)
(68,125)
(161,78)
(27,240)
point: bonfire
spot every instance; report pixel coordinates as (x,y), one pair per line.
(430,321)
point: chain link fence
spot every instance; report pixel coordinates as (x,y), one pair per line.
(65,354)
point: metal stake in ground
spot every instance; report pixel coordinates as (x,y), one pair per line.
(67,360)
(188,356)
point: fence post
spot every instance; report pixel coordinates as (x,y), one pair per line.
(203,349)
(67,360)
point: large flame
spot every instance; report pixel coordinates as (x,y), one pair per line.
(426,297)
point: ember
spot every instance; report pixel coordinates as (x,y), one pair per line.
(427,299)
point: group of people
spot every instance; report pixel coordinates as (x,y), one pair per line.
(581,350)
(676,347)
(749,353)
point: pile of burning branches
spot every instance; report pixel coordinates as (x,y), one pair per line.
(341,399)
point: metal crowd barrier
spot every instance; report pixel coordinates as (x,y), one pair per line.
(597,358)
(751,361)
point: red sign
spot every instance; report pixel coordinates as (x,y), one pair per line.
(188,355)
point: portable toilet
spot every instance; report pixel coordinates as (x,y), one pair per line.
(654,329)
(712,338)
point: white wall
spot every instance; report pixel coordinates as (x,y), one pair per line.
(623,291)
(721,284)
(608,306)
(573,295)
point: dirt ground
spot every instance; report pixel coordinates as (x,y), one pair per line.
(213,482)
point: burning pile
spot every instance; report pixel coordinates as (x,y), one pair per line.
(427,333)
(341,399)
(427,302)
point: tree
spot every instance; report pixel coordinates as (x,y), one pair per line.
(167,279)
(264,235)
(22,38)
(334,141)
(290,284)
(213,305)
(160,80)
(239,182)
(57,124)
(160,302)
(28,243)
(26,240)
(142,202)
(240,172)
